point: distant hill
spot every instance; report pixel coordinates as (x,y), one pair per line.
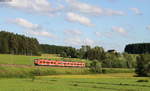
(138,48)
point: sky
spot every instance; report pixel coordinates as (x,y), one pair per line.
(111,24)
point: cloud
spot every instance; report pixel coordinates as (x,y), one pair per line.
(148,27)
(120,30)
(99,34)
(73,41)
(136,11)
(76,41)
(91,9)
(111,12)
(104,34)
(84,8)
(43,7)
(41,33)
(73,32)
(31,28)
(24,23)
(112,1)
(88,41)
(73,17)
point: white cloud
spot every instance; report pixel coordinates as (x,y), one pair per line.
(73,41)
(84,8)
(103,34)
(111,12)
(42,33)
(76,41)
(148,27)
(99,34)
(24,23)
(88,41)
(43,7)
(73,32)
(136,11)
(31,28)
(91,9)
(112,1)
(73,17)
(120,30)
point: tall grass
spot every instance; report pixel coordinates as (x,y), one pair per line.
(22,71)
(30,71)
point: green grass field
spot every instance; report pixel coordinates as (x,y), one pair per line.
(22,66)
(17,73)
(107,82)
(28,60)
(17,59)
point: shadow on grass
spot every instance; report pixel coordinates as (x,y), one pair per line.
(98,87)
(119,84)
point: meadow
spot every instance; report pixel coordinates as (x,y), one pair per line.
(17,59)
(18,73)
(98,82)
(28,60)
(23,67)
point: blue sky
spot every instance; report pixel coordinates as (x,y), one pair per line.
(108,23)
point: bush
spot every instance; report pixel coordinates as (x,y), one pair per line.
(96,67)
(143,65)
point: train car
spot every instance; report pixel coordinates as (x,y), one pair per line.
(47,62)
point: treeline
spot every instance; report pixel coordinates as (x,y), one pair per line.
(143,65)
(139,48)
(11,43)
(65,51)
(107,59)
(51,49)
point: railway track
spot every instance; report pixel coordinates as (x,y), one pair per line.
(23,65)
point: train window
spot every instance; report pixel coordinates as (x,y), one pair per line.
(52,62)
(47,62)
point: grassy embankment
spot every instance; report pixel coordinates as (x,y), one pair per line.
(28,60)
(23,67)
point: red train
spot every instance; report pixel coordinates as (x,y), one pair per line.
(47,62)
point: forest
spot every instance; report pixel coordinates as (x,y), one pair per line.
(138,48)
(11,43)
